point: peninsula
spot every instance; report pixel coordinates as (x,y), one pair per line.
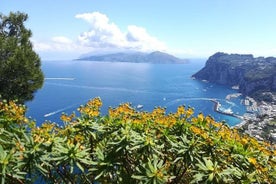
(255,78)
(156,57)
(251,76)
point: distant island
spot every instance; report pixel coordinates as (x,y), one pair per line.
(255,77)
(156,57)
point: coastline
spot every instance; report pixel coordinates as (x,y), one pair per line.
(260,120)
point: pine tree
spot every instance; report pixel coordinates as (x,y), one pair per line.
(20,72)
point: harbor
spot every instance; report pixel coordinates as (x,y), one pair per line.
(217,109)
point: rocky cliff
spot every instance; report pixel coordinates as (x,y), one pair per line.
(252,75)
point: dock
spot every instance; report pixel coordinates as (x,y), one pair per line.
(216,109)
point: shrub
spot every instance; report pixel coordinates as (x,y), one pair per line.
(129,146)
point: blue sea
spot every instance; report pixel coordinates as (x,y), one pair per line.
(69,84)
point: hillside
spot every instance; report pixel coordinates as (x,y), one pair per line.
(254,76)
(156,57)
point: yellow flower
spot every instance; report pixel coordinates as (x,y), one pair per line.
(209,119)
(158,111)
(96,102)
(195,130)
(65,118)
(194,120)
(14,111)
(90,111)
(216,124)
(189,112)
(252,161)
(244,141)
(180,110)
(204,135)
(78,138)
(200,117)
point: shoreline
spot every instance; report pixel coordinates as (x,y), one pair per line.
(259,121)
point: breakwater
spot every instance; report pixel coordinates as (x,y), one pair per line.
(217,109)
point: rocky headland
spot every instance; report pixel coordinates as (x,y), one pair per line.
(254,78)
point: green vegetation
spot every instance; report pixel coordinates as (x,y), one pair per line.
(253,75)
(125,146)
(262,95)
(129,146)
(20,73)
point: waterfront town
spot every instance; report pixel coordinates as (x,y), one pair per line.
(260,119)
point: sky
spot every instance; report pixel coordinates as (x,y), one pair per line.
(68,29)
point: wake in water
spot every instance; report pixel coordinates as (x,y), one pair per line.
(59,78)
(65,108)
(60,110)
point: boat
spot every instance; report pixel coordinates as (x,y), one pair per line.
(139,106)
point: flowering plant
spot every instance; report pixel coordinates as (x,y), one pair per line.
(127,146)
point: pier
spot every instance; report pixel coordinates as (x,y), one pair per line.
(216,109)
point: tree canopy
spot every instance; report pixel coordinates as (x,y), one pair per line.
(20,72)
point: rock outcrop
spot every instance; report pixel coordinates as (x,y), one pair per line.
(252,75)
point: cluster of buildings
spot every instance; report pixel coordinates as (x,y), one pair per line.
(260,120)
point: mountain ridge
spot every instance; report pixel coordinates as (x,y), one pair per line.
(155,57)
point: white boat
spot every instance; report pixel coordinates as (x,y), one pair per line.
(139,106)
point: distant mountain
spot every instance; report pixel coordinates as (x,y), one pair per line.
(137,57)
(254,76)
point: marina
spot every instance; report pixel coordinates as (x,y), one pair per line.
(225,112)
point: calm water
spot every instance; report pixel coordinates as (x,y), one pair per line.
(69,84)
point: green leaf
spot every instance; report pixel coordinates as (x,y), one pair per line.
(79,166)
(44,171)
(211,177)
(99,175)
(138,177)
(198,177)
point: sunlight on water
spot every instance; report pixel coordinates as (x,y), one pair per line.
(69,84)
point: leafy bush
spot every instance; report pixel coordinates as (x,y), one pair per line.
(129,146)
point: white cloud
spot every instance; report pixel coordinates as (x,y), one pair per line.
(62,40)
(103,33)
(138,38)
(103,36)
(58,48)
(40,46)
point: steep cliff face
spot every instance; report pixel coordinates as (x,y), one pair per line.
(249,73)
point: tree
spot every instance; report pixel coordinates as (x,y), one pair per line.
(20,72)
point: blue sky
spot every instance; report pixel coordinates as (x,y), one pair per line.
(64,29)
